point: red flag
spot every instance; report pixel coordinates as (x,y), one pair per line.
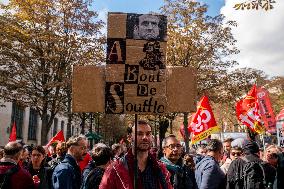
(58,137)
(248,112)
(203,123)
(266,111)
(13,134)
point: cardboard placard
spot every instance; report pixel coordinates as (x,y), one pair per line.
(135,79)
(181,89)
(88,89)
(116,25)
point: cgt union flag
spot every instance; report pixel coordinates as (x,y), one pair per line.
(248,112)
(203,123)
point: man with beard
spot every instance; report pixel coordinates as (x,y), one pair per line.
(151,173)
(67,174)
(182,175)
(147,27)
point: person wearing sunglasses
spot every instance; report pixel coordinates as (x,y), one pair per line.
(235,153)
(182,175)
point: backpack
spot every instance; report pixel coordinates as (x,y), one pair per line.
(253,175)
(93,179)
(5,177)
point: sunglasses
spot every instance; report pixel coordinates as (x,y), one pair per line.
(173,146)
(236,153)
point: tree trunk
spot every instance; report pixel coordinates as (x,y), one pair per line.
(44,129)
(69,123)
(163,127)
(83,122)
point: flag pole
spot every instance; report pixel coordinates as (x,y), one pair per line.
(185,123)
(135,153)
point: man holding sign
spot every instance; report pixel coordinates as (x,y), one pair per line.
(151,173)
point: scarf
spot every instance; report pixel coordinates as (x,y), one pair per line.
(176,170)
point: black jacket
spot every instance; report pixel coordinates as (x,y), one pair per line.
(235,172)
(44,174)
(93,179)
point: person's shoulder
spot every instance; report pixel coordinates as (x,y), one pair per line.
(23,172)
(23,176)
(62,167)
(161,164)
(208,160)
(114,169)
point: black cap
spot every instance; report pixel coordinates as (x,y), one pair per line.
(250,147)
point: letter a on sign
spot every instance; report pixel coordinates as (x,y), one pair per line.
(115,53)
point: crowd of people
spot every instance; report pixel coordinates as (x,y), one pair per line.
(215,165)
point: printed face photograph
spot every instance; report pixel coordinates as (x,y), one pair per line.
(146,27)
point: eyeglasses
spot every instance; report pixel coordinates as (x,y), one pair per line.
(173,146)
(236,153)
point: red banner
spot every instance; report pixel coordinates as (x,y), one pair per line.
(266,111)
(203,123)
(248,112)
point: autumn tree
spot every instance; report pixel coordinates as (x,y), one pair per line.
(40,40)
(207,44)
(199,41)
(276,88)
(238,83)
(113,127)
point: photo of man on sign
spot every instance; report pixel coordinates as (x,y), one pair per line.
(146,26)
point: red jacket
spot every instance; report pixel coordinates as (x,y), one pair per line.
(19,180)
(119,175)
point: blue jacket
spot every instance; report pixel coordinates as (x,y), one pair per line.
(209,175)
(67,175)
(197,158)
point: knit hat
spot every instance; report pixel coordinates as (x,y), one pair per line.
(250,147)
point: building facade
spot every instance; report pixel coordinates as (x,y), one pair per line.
(28,124)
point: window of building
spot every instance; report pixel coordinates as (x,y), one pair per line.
(33,123)
(55,126)
(17,117)
(62,126)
